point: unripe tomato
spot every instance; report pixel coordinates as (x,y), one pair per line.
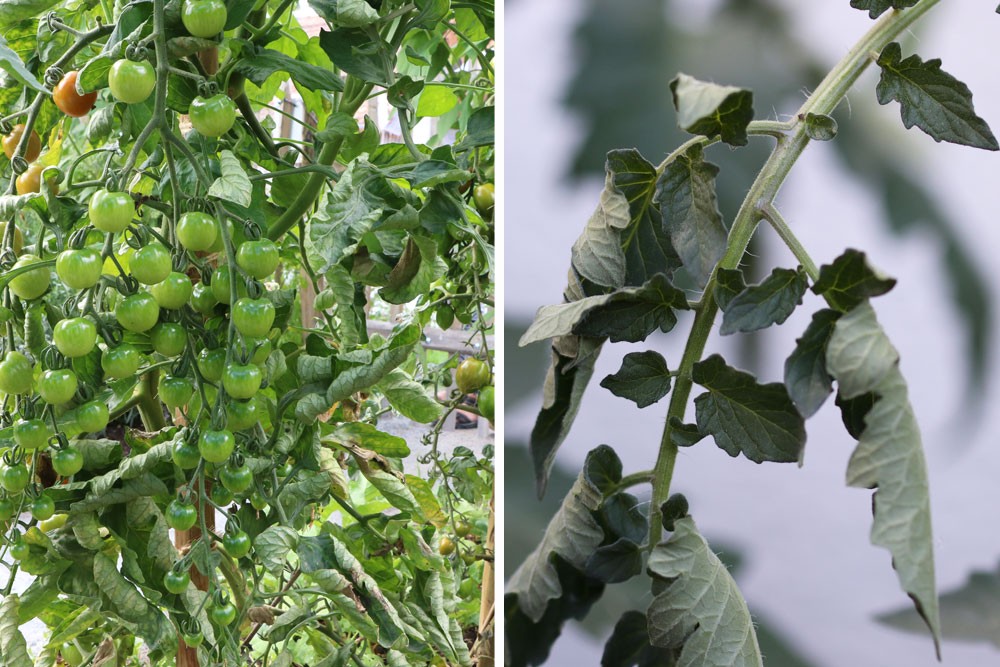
(16,373)
(462,528)
(211,363)
(175,391)
(241,415)
(75,336)
(216,446)
(214,116)
(204,18)
(111,211)
(10,142)
(236,479)
(176,582)
(14,478)
(253,317)
(168,338)
(197,230)
(32,283)
(68,100)
(222,283)
(472,374)
(31,433)
(131,81)
(20,550)
(137,312)
(236,543)
(18,237)
(203,300)
(79,269)
(67,461)
(485,197)
(93,416)
(194,639)
(120,362)
(258,258)
(180,515)
(174,292)
(57,386)
(187,457)
(223,614)
(446,546)
(150,264)
(221,495)
(7,509)
(258,501)
(241,381)
(487,402)
(43,507)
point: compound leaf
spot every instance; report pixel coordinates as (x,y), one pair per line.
(771,302)
(933,100)
(690,209)
(851,280)
(876,8)
(597,253)
(643,378)
(633,314)
(889,457)
(808,382)
(712,110)
(758,420)
(701,611)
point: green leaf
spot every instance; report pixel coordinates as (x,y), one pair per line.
(367,436)
(629,645)
(234,185)
(573,534)
(771,302)
(616,562)
(347,13)
(889,456)
(933,100)
(701,612)
(685,193)
(417,268)
(597,253)
(728,284)
(643,378)
(352,50)
(12,11)
(480,130)
(850,281)
(559,319)
(13,647)
(712,110)
(339,124)
(685,435)
(436,101)
(876,8)
(410,398)
(273,546)
(430,508)
(806,377)
(633,314)
(257,67)
(758,420)
(94,74)
(358,378)
(130,605)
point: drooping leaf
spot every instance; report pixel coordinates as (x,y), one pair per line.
(771,302)
(712,110)
(851,280)
(629,645)
(889,456)
(632,314)
(643,378)
(417,268)
(572,534)
(13,647)
(265,62)
(352,50)
(410,398)
(597,253)
(363,376)
(701,612)
(273,546)
(131,606)
(347,13)
(806,377)
(685,193)
(933,100)
(876,8)
(234,185)
(616,562)
(758,420)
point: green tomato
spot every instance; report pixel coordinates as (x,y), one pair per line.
(93,416)
(194,639)
(203,300)
(216,446)
(20,550)
(168,338)
(258,501)
(485,197)
(236,479)
(197,230)
(75,336)
(120,362)
(79,269)
(487,402)
(14,478)
(241,415)
(221,496)
(186,456)
(176,582)
(253,317)
(204,18)
(223,614)
(214,116)
(236,543)
(131,81)
(222,283)
(150,264)
(180,515)
(211,363)
(258,258)
(241,381)
(43,507)
(137,312)
(16,373)
(111,211)
(472,374)
(67,461)
(31,433)
(7,509)
(174,292)
(175,391)
(32,283)
(57,387)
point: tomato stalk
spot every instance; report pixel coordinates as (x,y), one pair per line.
(759,200)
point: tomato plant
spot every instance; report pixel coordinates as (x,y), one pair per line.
(202,413)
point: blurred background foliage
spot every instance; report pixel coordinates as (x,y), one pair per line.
(626,52)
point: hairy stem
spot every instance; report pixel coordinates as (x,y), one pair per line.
(761,196)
